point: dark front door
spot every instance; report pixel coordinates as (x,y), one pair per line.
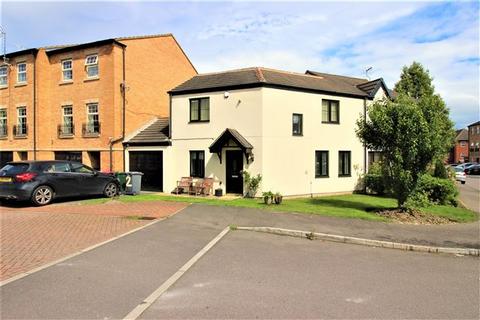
(150,163)
(234,167)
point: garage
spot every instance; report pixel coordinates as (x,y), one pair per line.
(5,156)
(150,163)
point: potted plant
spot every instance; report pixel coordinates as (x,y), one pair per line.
(278,198)
(267,197)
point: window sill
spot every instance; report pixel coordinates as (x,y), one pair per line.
(23,136)
(3,87)
(91,79)
(344,175)
(199,121)
(321,177)
(297,135)
(61,83)
(327,122)
(3,137)
(66,136)
(91,135)
(21,84)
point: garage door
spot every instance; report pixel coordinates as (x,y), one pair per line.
(5,156)
(151,164)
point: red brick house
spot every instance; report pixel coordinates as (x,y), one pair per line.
(474,141)
(459,152)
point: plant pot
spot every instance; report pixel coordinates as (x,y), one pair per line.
(278,199)
(267,200)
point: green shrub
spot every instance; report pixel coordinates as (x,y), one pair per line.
(374,181)
(251,184)
(418,200)
(440,171)
(439,191)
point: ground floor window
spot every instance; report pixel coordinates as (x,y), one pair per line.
(344,164)
(321,164)
(197,164)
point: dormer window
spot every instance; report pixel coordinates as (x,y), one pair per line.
(91,65)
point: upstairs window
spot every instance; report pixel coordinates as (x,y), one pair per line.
(67,121)
(3,122)
(330,111)
(344,165)
(93,124)
(21,121)
(21,72)
(3,75)
(200,110)
(91,65)
(197,164)
(67,72)
(297,124)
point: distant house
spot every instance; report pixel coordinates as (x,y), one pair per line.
(78,102)
(296,130)
(459,152)
(474,141)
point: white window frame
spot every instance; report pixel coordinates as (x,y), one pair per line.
(64,124)
(19,122)
(67,70)
(91,124)
(3,120)
(91,63)
(24,72)
(4,77)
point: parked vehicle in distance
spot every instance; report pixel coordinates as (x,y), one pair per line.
(466,165)
(473,170)
(460,175)
(43,181)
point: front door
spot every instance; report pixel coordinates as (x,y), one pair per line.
(234,167)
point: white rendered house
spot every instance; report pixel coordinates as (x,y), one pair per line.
(296,130)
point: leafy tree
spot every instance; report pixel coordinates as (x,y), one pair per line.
(412,131)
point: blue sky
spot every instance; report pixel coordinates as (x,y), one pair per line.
(337,37)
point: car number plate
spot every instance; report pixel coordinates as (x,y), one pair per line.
(5,179)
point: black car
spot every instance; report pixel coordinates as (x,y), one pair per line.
(473,170)
(42,181)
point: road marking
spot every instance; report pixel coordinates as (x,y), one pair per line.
(27,273)
(145,304)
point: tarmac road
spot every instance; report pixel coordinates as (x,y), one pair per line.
(470,193)
(251,275)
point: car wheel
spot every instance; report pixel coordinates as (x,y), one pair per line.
(42,195)
(111,190)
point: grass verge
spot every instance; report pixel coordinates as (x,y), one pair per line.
(355,206)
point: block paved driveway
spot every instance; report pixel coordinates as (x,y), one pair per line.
(31,237)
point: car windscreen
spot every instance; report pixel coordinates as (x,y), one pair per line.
(14,168)
(458,169)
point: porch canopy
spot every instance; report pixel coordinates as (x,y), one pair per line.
(232,138)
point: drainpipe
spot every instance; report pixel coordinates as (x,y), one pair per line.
(123,105)
(113,141)
(364,145)
(34,107)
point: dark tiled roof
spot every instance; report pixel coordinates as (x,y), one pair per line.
(474,124)
(462,135)
(256,77)
(157,132)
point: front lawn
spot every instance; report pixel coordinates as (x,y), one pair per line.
(356,206)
